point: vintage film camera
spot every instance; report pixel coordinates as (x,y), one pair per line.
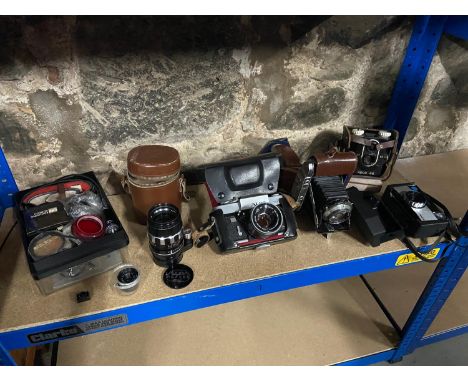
(403,211)
(248,212)
(376,150)
(419,214)
(320,183)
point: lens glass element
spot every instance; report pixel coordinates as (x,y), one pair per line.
(266,219)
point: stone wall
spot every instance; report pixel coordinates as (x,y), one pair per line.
(76,93)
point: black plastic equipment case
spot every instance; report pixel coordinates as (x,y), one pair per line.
(372,218)
(41,268)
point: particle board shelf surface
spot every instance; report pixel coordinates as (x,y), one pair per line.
(6,225)
(316,325)
(399,290)
(444,176)
(22,305)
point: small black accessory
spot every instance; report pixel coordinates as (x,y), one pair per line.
(45,217)
(83,296)
(248,212)
(168,240)
(372,218)
(178,276)
(375,148)
(126,278)
(330,204)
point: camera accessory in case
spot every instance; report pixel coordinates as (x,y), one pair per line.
(153,176)
(57,259)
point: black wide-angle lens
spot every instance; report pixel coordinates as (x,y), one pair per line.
(265,220)
(165,234)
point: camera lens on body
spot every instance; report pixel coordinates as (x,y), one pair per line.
(167,237)
(265,220)
(338,213)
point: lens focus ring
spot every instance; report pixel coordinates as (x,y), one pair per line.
(266,219)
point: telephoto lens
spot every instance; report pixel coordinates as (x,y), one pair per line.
(168,240)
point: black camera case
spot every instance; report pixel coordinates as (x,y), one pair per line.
(248,212)
(414,210)
(373,220)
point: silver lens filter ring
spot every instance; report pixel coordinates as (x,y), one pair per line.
(126,278)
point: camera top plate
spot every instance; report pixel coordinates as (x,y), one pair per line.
(231,180)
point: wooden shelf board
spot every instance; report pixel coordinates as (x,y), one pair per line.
(316,325)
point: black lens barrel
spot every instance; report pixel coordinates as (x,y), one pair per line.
(165,232)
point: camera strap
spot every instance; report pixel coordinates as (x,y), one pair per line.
(203,234)
(371,143)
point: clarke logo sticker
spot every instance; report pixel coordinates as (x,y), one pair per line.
(76,330)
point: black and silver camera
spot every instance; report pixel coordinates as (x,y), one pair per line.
(247,210)
(331,207)
(374,148)
(419,214)
(321,178)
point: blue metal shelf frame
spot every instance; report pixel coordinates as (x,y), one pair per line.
(219,295)
(7,185)
(427,31)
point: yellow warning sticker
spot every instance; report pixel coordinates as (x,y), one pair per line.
(411,257)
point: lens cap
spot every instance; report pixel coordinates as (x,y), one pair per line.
(178,276)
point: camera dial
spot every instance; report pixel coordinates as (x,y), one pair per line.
(416,199)
(266,219)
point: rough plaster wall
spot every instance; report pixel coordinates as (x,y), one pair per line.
(76,93)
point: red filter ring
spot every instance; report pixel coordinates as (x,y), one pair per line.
(88,227)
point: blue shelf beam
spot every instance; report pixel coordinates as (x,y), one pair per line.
(8,185)
(441,284)
(214,296)
(457,26)
(423,43)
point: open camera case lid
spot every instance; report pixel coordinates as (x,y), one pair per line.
(347,138)
(46,266)
(231,180)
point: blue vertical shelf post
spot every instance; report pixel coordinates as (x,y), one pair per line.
(422,45)
(441,284)
(7,185)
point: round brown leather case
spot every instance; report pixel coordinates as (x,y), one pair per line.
(153,177)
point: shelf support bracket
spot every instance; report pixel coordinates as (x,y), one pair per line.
(8,185)
(441,284)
